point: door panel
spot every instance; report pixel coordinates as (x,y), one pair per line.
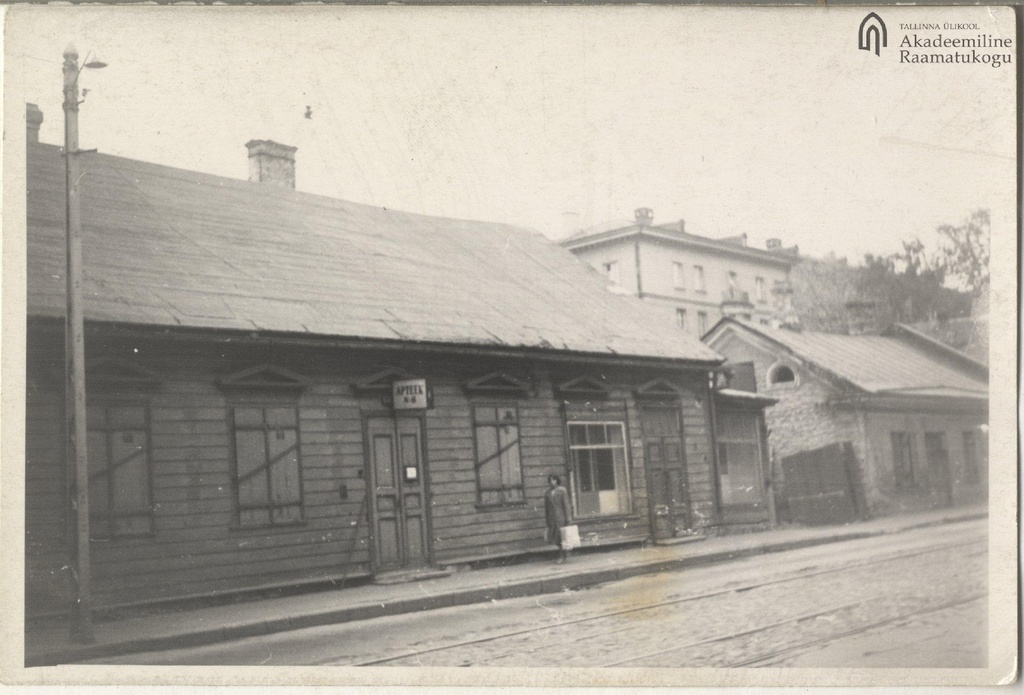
(666,469)
(385,523)
(664,526)
(413,507)
(398,510)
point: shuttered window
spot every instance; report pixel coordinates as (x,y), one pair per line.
(499,471)
(120,502)
(268,485)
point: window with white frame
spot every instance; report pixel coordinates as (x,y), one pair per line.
(698,279)
(600,474)
(702,322)
(677,276)
(611,271)
(681,318)
(760,290)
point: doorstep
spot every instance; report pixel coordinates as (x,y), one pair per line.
(679,540)
(413,575)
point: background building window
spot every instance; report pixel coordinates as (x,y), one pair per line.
(681,318)
(611,271)
(903,459)
(698,278)
(732,281)
(677,276)
(499,472)
(702,322)
(600,478)
(739,458)
(119,484)
(760,290)
(268,486)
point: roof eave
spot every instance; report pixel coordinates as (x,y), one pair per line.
(711,245)
(942,348)
(243,336)
(891,402)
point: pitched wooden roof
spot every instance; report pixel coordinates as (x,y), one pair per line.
(170,247)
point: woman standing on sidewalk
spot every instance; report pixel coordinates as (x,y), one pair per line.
(557,514)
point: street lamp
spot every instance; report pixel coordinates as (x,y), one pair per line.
(74,351)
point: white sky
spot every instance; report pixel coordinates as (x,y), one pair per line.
(768,122)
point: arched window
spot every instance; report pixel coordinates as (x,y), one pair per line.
(781,374)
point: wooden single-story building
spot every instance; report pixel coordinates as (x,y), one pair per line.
(285,389)
(914,413)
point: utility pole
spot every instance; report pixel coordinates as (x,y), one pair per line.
(74,355)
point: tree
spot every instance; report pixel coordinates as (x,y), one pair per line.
(964,252)
(908,287)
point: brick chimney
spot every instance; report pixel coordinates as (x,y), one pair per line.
(643,216)
(271,162)
(33,119)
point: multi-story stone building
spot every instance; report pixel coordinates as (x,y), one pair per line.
(692,280)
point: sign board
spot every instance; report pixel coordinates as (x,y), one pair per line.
(410,394)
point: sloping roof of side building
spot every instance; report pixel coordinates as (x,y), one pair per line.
(874,364)
(171,247)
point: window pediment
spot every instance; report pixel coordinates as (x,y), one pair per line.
(264,377)
(380,382)
(497,382)
(583,386)
(658,388)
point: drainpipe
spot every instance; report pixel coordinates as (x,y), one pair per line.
(713,427)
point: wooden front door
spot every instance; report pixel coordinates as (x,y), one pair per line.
(665,467)
(398,509)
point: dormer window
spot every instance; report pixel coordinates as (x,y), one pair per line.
(781,374)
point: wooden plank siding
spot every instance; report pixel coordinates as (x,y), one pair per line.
(196,546)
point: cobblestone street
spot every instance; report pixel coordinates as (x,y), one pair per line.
(916,600)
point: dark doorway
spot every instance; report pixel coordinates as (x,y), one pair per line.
(665,467)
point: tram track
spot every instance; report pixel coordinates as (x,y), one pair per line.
(798,576)
(796,648)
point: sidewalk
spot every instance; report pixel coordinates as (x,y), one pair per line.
(190,628)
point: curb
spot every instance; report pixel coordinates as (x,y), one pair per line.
(519,589)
